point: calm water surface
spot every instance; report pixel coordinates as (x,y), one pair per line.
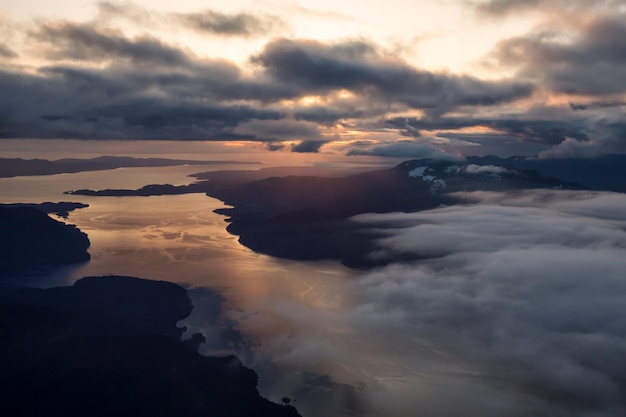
(293,313)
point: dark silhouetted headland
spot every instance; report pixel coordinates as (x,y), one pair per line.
(30,238)
(61,209)
(109,346)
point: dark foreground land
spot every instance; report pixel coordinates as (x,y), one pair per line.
(109,346)
(61,209)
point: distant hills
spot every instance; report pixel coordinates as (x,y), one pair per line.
(284,214)
(606,173)
(14,167)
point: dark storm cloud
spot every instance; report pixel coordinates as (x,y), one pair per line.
(90,103)
(144,87)
(527,289)
(597,105)
(357,66)
(405,150)
(581,131)
(279,129)
(308,146)
(325,115)
(241,24)
(275,146)
(6,52)
(609,137)
(579,50)
(549,131)
(85,42)
(590,64)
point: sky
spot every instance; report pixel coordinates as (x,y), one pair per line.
(395,78)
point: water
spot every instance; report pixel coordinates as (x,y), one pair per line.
(180,239)
(296,316)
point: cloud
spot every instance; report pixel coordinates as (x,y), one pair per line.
(99,82)
(241,24)
(280,129)
(83,42)
(607,135)
(525,288)
(308,146)
(552,129)
(207,21)
(109,11)
(405,150)
(358,66)
(275,146)
(106,84)
(588,61)
(571,148)
(485,169)
(596,105)
(86,103)
(502,7)
(6,52)
(577,50)
(581,131)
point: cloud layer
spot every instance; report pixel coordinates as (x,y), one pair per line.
(98,79)
(530,286)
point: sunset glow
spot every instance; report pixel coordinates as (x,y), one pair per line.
(313,208)
(286,71)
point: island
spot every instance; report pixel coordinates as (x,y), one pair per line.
(109,346)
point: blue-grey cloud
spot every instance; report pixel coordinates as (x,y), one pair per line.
(106,84)
(500,8)
(143,87)
(207,21)
(359,67)
(404,150)
(91,104)
(308,146)
(589,64)
(66,40)
(238,24)
(551,131)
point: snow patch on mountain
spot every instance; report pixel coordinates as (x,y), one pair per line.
(485,169)
(417,172)
(453,169)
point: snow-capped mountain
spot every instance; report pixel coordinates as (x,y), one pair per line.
(445,176)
